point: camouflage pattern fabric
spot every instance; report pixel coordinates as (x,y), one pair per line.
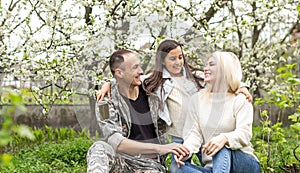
(113,117)
(117,119)
(140,164)
(102,159)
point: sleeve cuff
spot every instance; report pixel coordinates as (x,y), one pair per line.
(115,140)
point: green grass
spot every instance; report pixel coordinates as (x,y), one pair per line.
(64,151)
(65,156)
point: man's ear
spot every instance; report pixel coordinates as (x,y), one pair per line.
(118,73)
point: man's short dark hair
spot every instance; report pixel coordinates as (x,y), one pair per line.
(116,59)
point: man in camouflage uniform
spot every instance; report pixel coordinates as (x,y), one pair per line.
(134,140)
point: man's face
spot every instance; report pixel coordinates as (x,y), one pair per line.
(130,70)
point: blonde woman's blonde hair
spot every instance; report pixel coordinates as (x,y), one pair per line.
(229,72)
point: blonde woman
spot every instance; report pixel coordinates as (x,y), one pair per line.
(221,121)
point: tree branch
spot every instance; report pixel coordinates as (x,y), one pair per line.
(240,35)
(209,14)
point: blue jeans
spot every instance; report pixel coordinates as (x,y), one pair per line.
(174,168)
(225,161)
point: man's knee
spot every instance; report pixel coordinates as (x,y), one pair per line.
(101,146)
(100,157)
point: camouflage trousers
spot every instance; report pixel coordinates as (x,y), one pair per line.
(101,158)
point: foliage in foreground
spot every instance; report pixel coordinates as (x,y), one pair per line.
(67,153)
(53,150)
(7,127)
(278,152)
(278,148)
(64,156)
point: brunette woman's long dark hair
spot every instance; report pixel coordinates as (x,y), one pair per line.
(156,78)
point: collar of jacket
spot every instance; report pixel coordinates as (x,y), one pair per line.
(168,84)
(120,105)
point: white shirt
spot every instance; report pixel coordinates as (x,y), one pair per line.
(213,114)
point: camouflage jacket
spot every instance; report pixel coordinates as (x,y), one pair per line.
(116,126)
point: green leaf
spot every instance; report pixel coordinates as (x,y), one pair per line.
(296,126)
(6,158)
(290,66)
(294,117)
(281,69)
(286,75)
(5,137)
(295,81)
(258,101)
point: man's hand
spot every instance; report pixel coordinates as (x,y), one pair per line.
(180,153)
(105,89)
(214,145)
(167,148)
(246,92)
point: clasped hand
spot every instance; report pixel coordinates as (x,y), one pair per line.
(180,153)
(211,148)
